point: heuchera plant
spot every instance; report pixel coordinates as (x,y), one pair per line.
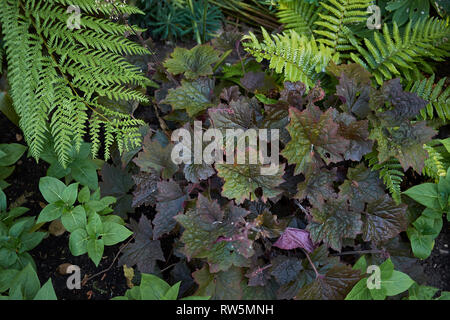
(339,141)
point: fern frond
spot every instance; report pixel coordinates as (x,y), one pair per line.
(391,172)
(298,15)
(335,19)
(299,58)
(394,54)
(112,7)
(438,160)
(2,53)
(437,96)
(58,75)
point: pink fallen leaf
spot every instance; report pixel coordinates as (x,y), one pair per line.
(293,238)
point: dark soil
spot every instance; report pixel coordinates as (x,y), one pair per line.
(437,266)
(54,251)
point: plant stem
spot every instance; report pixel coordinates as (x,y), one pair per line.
(357,252)
(205,12)
(312,264)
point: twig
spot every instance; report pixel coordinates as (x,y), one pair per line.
(357,252)
(111,265)
(312,264)
(168,267)
(302,208)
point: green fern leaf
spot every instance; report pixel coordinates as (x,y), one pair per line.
(391,172)
(298,15)
(58,75)
(392,53)
(437,96)
(335,20)
(299,58)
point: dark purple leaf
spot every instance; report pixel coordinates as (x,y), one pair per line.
(293,238)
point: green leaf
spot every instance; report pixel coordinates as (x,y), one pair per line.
(11,152)
(418,292)
(193,97)
(421,245)
(429,225)
(408,10)
(359,291)
(361,265)
(6,278)
(85,172)
(84,195)
(5,172)
(153,288)
(193,63)
(7,257)
(3,201)
(94,226)
(172,293)
(95,248)
(78,242)
(52,189)
(51,212)
(114,233)
(46,292)
(426,194)
(28,280)
(70,194)
(397,283)
(7,108)
(386,268)
(74,219)
(29,241)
